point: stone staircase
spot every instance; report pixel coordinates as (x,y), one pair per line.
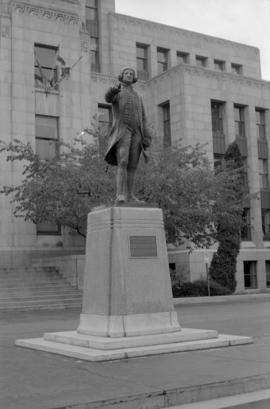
(37,288)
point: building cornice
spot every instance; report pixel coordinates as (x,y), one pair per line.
(205,72)
(45,13)
(182,32)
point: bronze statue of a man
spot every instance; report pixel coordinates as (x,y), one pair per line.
(129,135)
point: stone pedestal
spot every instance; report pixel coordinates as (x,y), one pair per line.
(127,298)
(127,287)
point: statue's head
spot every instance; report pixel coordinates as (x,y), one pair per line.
(128,76)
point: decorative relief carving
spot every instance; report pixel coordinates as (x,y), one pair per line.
(29,10)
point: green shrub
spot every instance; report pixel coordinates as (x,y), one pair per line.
(223,266)
(198,288)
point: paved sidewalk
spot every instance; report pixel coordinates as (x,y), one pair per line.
(38,380)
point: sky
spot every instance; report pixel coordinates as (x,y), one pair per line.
(243,21)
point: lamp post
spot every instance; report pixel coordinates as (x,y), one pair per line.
(206,260)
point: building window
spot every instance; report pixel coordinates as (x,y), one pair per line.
(45,66)
(218,162)
(47,148)
(217,114)
(239,121)
(263,173)
(104,124)
(217,109)
(266,224)
(219,65)
(240,128)
(267,270)
(162,60)
(246,229)
(237,69)
(49,229)
(94,51)
(46,136)
(260,123)
(166,121)
(250,274)
(142,61)
(92,26)
(201,61)
(91,13)
(104,116)
(182,57)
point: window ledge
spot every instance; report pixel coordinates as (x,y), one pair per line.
(266,243)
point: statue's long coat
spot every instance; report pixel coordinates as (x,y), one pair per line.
(123,112)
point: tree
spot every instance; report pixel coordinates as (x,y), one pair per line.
(63,190)
(229,222)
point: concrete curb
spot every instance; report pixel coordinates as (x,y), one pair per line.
(179,396)
(222,299)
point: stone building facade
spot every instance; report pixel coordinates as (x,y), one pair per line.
(196,87)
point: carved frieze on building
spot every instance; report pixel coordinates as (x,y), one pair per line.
(49,14)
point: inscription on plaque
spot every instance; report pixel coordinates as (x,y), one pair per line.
(143,246)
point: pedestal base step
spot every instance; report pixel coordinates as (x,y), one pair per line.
(91,348)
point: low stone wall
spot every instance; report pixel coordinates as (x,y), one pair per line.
(188,266)
(70,267)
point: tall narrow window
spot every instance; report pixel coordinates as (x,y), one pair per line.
(266,224)
(250,274)
(104,122)
(94,51)
(45,65)
(104,116)
(166,120)
(240,128)
(217,114)
(263,173)
(47,148)
(246,230)
(46,136)
(267,269)
(91,14)
(162,59)
(260,123)
(142,61)
(92,26)
(239,121)
(218,161)
(182,57)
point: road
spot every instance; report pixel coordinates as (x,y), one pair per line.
(38,380)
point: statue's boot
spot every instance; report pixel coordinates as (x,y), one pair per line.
(120,199)
(130,183)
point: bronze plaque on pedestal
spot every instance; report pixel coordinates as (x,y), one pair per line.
(143,246)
